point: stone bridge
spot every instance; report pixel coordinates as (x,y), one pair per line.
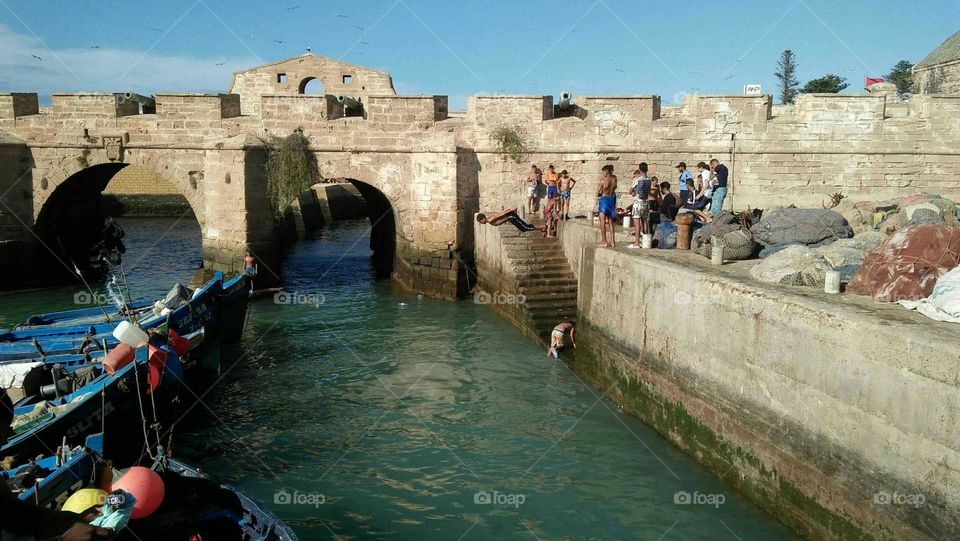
(425,170)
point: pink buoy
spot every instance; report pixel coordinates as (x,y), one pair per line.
(145,486)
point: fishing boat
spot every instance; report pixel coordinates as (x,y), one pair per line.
(193,505)
(49,480)
(44,421)
(203,310)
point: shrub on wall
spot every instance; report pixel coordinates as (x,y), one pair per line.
(510,142)
(291,168)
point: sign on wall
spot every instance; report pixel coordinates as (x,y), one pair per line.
(752,90)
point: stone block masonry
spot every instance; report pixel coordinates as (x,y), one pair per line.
(837,416)
(435,169)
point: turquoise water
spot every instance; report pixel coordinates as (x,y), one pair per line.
(359,410)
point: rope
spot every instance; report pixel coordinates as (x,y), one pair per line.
(143,417)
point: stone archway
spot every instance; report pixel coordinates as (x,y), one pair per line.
(70,212)
(311,85)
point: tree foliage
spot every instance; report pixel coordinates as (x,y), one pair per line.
(786,75)
(510,142)
(291,168)
(902,76)
(828,84)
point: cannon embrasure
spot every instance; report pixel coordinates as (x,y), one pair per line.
(565,98)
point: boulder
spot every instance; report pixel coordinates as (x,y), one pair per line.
(908,263)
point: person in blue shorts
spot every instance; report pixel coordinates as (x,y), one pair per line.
(566,186)
(607,203)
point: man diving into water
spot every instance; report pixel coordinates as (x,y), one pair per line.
(509,215)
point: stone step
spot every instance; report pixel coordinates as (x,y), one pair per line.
(556,312)
(537,262)
(544,282)
(548,293)
(546,273)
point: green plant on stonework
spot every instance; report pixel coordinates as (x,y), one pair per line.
(291,168)
(510,142)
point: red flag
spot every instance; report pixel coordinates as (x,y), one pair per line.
(867,81)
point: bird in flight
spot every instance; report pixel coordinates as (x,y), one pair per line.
(94,46)
(154,29)
(620,70)
(341,16)
(292,8)
(359,28)
(220,63)
(278,41)
(37,57)
(731,77)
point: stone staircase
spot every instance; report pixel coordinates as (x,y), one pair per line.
(543,276)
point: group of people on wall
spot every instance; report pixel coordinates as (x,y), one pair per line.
(653,201)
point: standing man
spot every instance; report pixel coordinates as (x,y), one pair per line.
(682,181)
(551,179)
(607,203)
(641,203)
(720,178)
(250,268)
(533,183)
(566,186)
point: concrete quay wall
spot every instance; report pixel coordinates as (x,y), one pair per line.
(839,417)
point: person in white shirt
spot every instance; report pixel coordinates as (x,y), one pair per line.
(704,186)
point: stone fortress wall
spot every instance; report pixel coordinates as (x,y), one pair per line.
(437,169)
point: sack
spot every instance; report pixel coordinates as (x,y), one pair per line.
(800,226)
(944,303)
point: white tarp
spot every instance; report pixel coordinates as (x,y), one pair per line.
(13,374)
(944,303)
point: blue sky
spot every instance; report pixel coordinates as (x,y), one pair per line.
(466,47)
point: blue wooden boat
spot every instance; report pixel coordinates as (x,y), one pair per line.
(107,399)
(201,311)
(194,506)
(50,480)
(92,315)
(234,300)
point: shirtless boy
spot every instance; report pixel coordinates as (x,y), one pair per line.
(566,186)
(607,205)
(551,179)
(250,267)
(556,337)
(533,182)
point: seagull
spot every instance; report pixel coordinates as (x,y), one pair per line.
(363,43)
(620,70)
(220,63)
(154,29)
(37,57)
(278,41)
(341,16)
(359,28)
(94,46)
(292,8)
(731,77)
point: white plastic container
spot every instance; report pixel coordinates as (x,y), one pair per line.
(831,283)
(130,334)
(626,221)
(646,241)
(716,254)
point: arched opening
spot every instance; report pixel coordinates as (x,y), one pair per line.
(75,229)
(340,201)
(311,85)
